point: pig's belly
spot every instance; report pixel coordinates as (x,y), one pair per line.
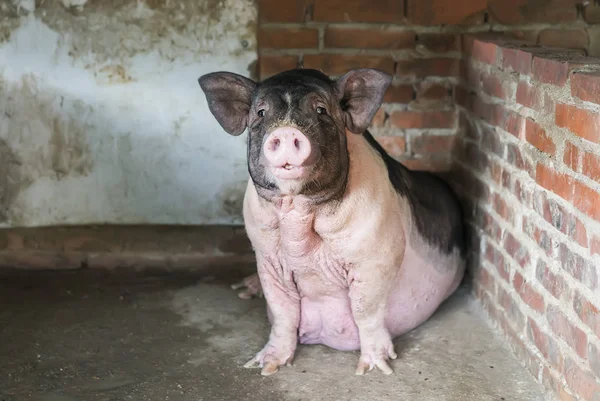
(328,320)
(421,286)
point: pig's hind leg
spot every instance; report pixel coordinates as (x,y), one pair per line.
(250,287)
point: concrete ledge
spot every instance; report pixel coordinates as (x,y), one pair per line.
(162,247)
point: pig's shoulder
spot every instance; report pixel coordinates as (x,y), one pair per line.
(436,211)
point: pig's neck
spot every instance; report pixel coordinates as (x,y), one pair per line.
(296,215)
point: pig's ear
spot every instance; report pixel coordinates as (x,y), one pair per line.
(361,94)
(229,97)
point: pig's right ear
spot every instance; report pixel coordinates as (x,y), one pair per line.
(229,98)
(361,94)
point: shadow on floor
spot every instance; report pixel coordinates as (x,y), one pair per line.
(92,335)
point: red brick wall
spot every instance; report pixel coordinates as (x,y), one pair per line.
(418,42)
(519,128)
(527,162)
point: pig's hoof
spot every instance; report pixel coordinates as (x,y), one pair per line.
(269,361)
(379,360)
(250,287)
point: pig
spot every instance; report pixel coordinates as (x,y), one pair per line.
(352,248)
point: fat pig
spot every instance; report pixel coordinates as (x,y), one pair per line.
(353,249)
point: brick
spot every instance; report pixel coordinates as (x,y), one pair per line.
(553,381)
(271,65)
(562,327)
(339,64)
(538,137)
(586,199)
(560,184)
(582,123)
(432,92)
(431,67)
(532,97)
(394,145)
(516,249)
(471,155)
(522,193)
(491,142)
(583,383)
(571,157)
(470,185)
(471,74)
(578,267)
(369,38)
(439,164)
(358,11)
(501,208)
(561,218)
(426,119)
(514,124)
(545,344)
(594,358)
(591,13)
(497,260)
(586,86)
(511,308)
(595,245)
(281,11)
(461,96)
(379,118)
(492,85)
(439,42)
(564,38)
(428,144)
(528,294)
(399,94)
(289,38)
(507,180)
(518,60)
(515,157)
(484,278)
(554,283)
(443,12)
(527,11)
(480,50)
(591,166)
(549,71)
(588,313)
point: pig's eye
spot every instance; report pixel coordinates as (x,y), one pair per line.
(261,113)
(321,110)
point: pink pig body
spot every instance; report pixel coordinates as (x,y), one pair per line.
(352,248)
(308,254)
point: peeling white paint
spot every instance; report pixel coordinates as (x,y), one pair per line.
(73,3)
(27,5)
(104,117)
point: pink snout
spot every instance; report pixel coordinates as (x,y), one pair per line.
(287,146)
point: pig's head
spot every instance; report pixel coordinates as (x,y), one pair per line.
(297,122)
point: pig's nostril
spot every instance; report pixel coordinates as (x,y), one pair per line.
(296,143)
(275,143)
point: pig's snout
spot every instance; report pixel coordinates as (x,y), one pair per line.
(287,147)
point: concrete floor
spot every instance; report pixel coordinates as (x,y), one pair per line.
(98,335)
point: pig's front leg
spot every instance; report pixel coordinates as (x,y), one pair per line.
(369,293)
(283,302)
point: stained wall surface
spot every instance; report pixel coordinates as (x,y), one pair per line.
(101,116)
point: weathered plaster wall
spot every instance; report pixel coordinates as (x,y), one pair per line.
(101,116)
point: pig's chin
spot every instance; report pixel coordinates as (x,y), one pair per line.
(289,179)
(289,172)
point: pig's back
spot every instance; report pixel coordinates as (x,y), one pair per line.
(436,212)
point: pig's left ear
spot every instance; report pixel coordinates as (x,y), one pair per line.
(229,98)
(361,94)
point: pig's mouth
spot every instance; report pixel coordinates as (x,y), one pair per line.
(289,172)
